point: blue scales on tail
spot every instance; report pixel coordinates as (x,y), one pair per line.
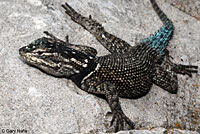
(161,38)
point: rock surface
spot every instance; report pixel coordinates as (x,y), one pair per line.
(191,7)
(41,104)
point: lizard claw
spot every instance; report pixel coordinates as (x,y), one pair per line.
(185,69)
(121,122)
(71,12)
(53,37)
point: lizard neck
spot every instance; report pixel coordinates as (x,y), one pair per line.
(77,78)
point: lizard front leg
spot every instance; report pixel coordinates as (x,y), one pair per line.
(112,43)
(120,120)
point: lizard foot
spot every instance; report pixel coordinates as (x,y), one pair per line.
(87,23)
(121,122)
(185,69)
(71,12)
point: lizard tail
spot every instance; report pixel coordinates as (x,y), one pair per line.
(166,21)
(159,41)
(162,37)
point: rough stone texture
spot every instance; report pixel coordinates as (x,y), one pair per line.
(191,7)
(158,131)
(41,104)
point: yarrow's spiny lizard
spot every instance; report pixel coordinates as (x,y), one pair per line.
(129,71)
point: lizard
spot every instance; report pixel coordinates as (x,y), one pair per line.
(127,72)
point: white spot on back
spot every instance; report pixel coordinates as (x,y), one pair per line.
(72,59)
(66,60)
(97,67)
(86,60)
(103,36)
(84,65)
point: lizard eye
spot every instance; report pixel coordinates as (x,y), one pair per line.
(28,48)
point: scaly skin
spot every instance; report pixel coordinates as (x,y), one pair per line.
(129,71)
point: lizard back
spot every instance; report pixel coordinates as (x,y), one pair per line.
(131,76)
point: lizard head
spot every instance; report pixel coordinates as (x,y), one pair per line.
(54,57)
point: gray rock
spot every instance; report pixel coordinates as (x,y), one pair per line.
(191,7)
(158,131)
(39,103)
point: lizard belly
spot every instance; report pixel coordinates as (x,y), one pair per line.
(132,85)
(136,87)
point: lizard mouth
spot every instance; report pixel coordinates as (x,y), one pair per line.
(45,65)
(35,59)
(27,57)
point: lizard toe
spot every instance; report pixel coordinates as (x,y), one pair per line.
(121,122)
